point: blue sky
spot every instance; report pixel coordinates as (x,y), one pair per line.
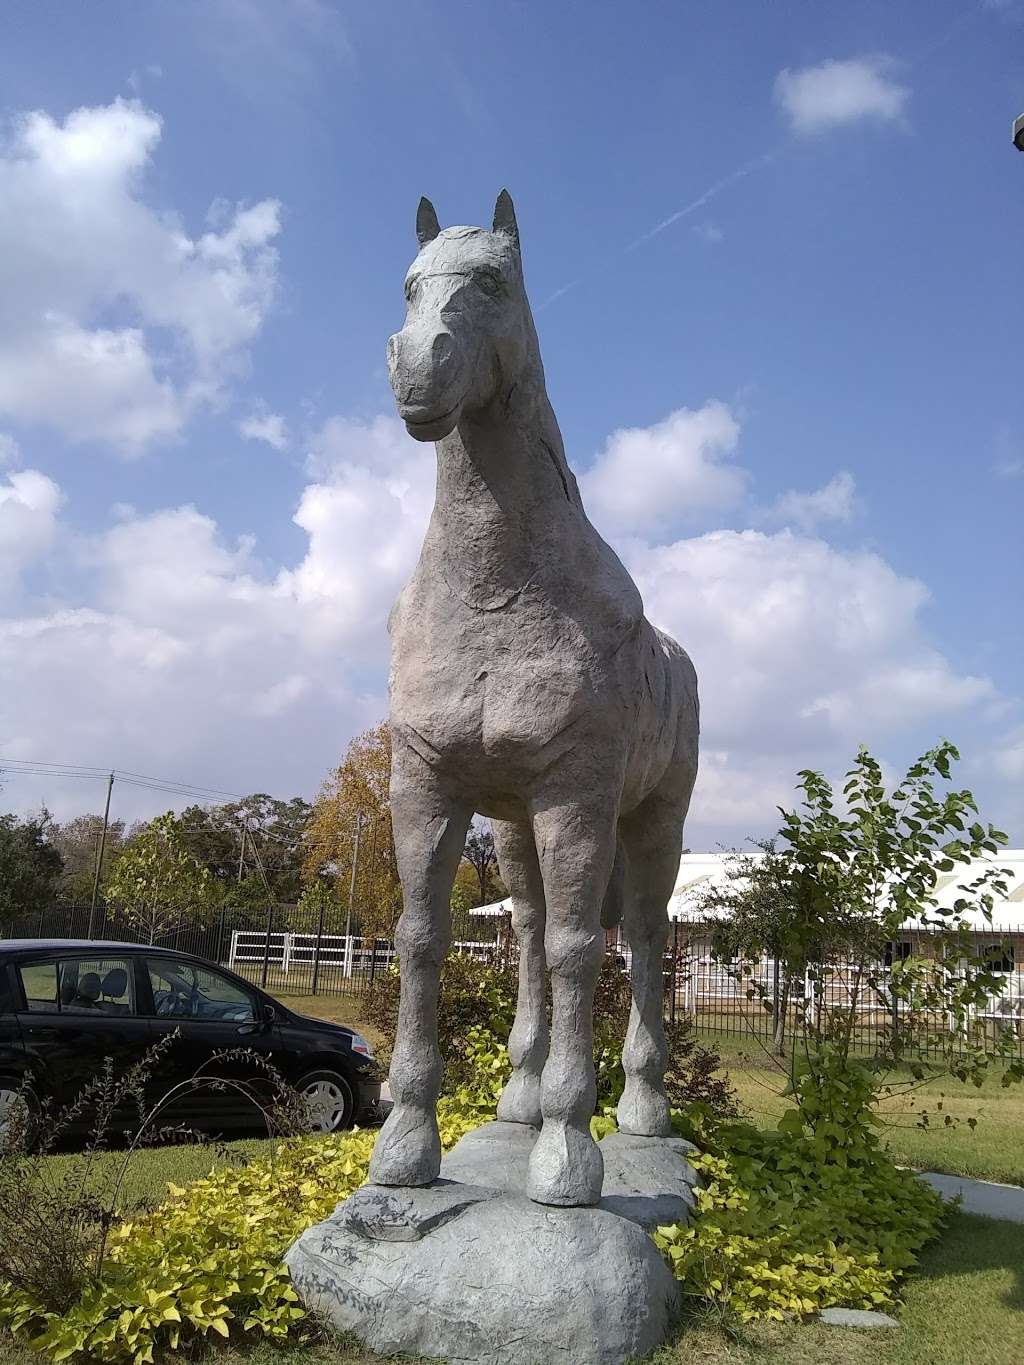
(773,251)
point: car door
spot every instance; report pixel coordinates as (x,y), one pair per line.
(210,1014)
(75,1010)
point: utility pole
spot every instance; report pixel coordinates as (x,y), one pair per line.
(99,859)
(241,848)
(352,894)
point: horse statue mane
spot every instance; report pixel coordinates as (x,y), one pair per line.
(527,686)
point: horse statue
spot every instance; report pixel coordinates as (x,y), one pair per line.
(526,685)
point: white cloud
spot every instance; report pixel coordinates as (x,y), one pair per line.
(270,427)
(803,651)
(708,232)
(834,501)
(200,662)
(1010,468)
(649,480)
(835,93)
(29,503)
(10,451)
(116,323)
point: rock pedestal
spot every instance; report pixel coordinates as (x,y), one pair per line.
(465,1273)
(469,1269)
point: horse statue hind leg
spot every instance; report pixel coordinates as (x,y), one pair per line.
(528,1041)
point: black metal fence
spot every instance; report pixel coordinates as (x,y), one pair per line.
(752,998)
(293,951)
(290,950)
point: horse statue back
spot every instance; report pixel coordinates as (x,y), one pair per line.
(526,685)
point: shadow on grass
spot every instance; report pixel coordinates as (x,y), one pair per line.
(974,1245)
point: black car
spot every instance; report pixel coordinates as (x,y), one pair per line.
(65,1006)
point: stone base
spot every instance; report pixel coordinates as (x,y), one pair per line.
(495,1155)
(466,1273)
(648,1180)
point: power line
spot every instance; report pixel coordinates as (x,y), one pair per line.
(169,786)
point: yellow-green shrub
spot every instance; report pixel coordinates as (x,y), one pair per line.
(781,1232)
(210,1258)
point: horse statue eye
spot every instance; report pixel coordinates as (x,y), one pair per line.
(491,284)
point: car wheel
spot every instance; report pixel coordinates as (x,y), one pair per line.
(15,1102)
(329,1099)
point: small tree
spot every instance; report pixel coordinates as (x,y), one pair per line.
(30,866)
(480,855)
(358,788)
(843,886)
(157,881)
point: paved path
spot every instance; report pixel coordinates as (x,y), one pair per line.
(980,1196)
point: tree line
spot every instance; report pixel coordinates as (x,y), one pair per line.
(334,852)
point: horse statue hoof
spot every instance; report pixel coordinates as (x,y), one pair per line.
(408,1150)
(566,1167)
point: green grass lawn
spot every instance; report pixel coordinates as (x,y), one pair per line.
(993,1151)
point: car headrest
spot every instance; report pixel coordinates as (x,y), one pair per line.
(89,986)
(115,983)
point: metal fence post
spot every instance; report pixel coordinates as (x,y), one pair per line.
(266,945)
(319,942)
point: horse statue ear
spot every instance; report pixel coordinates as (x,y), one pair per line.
(427,226)
(505,217)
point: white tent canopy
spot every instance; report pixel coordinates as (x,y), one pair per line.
(699,870)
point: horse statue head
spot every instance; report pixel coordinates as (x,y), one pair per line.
(468,333)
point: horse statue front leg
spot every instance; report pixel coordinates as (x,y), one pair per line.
(430,833)
(575,847)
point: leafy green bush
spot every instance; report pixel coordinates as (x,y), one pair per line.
(206,1261)
(785,1229)
(475,1015)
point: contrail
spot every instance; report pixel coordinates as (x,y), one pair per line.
(699,202)
(703,199)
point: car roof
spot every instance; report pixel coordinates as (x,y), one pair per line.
(34,945)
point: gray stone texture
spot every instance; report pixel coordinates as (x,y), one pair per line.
(461,1273)
(647,1180)
(527,686)
(856,1317)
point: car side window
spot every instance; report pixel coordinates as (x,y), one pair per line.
(184,990)
(79,985)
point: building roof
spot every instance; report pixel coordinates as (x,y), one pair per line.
(698,871)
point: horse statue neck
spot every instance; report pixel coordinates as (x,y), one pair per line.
(505,493)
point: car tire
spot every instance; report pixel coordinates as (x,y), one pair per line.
(11,1094)
(330,1099)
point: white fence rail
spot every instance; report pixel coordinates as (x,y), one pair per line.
(350,954)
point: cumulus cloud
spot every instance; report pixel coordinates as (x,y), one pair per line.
(647,481)
(270,427)
(29,504)
(836,93)
(834,501)
(193,658)
(117,323)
